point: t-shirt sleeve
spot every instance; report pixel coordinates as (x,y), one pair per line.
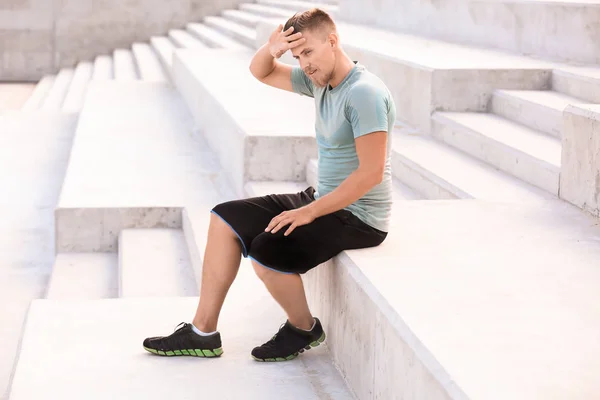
(367,109)
(301,83)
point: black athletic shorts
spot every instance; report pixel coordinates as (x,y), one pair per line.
(308,245)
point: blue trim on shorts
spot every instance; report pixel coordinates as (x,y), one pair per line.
(245,252)
(272,269)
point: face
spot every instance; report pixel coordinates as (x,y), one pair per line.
(316,57)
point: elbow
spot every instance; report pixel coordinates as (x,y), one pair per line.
(375,177)
(378,176)
(251,68)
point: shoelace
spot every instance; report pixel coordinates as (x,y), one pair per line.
(177,328)
(173,341)
(276,338)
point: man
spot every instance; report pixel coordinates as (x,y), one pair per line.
(287,235)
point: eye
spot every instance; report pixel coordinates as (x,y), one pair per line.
(308,52)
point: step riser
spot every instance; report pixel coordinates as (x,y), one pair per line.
(512,161)
(164,49)
(426,184)
(87,230)
(587,89)
(233,35)
(57,94)
(103,68)
(532,115)
(580,173)
(374,359)
(74,99)
(125,68)
(39,94)
(148,63)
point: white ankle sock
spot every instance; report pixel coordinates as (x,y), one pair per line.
(312,327)
(199,332)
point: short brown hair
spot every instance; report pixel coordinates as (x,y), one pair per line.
(311,20)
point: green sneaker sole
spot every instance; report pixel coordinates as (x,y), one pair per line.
(296,354)
(191,352)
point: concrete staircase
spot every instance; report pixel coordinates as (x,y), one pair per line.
(491,297)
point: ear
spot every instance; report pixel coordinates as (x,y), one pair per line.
(333,39)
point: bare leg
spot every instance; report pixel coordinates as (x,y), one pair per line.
(288,291)
(221,264)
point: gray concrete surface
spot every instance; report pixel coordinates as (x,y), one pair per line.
(33,158)
(580,173)
(40,37)
(560,30)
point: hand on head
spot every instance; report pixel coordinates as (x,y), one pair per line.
(280,41)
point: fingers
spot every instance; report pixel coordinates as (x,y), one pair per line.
(281,224)
(296,43)
(275,221)
(293,37)
(290,229)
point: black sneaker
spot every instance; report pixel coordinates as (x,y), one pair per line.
(289,342)
(185,342)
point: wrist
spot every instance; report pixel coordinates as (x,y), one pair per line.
(312,209)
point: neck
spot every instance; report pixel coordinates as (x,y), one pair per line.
(341,70)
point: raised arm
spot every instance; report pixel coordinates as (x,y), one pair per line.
(264,65)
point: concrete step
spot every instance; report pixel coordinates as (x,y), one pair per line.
(131,167)
(124,323)
(56,96)
(33,158)
(76,94)
(458,78)
(103,68)
(265,11)
(155,263)
(37,98)
(401,190)
(439,172)
(148,63)
(522,152)
(499,313)
(241,17)
(242,130)
(243,34)
(579,82)
(213,38)
(494,25)
(164,48)
(183,39)
(539,110)
(297,6)
(580,168)
(125,68)
(84,276)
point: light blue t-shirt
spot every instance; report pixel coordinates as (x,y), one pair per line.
(359,105)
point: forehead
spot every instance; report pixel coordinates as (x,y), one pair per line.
(312,40)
